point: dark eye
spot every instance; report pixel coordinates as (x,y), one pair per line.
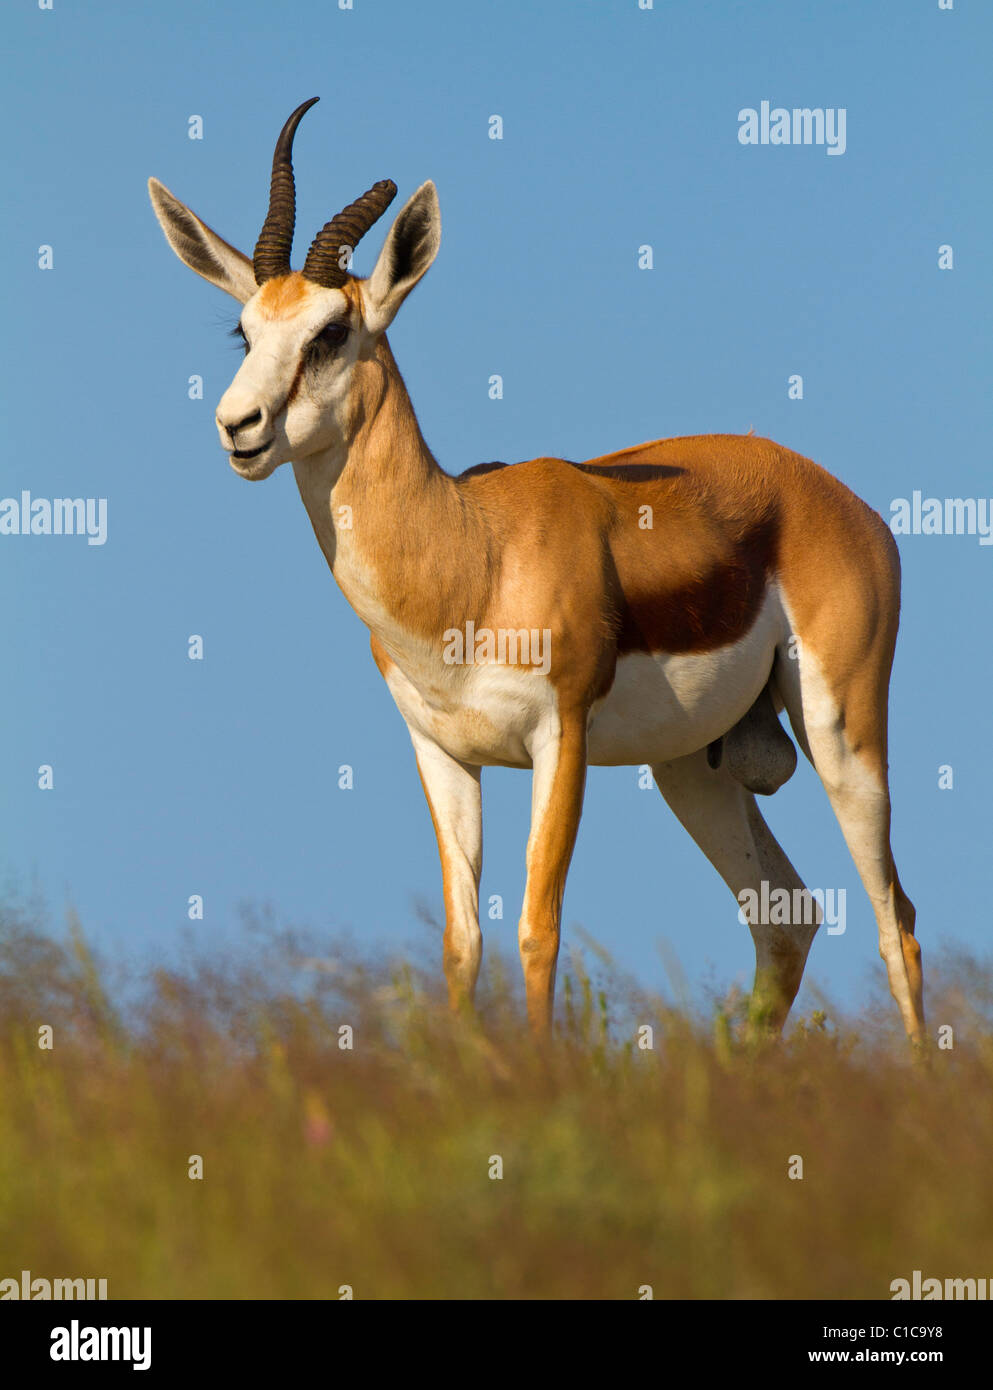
(331,336)
(239,332)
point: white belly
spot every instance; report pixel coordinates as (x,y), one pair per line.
(659,707)
(662,707)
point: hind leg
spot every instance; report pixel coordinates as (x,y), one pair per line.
(843,731)
(724,820)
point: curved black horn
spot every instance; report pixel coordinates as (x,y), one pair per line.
(272,250)
(323,263)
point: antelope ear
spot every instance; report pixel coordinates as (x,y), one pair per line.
(409,249)
(199,247)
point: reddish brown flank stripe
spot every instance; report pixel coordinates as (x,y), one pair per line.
(704,613)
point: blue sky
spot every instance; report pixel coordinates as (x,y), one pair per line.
(219,777)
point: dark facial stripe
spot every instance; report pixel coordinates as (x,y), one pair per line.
(295,383)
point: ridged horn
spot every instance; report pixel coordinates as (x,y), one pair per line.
(347,229)
(272,250)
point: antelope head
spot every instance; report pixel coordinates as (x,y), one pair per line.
(306,333)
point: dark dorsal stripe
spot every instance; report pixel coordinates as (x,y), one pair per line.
(478,468)
(622,472)
(629,472)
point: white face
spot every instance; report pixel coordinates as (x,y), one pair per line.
(288,398)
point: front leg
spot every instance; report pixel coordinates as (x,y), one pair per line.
(559,780)
(454,797)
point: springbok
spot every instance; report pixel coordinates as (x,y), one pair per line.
(659,605)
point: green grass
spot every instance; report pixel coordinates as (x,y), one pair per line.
(369,1167)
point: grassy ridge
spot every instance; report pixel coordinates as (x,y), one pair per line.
(370,1166)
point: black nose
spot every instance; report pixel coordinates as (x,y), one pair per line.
(245,424)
